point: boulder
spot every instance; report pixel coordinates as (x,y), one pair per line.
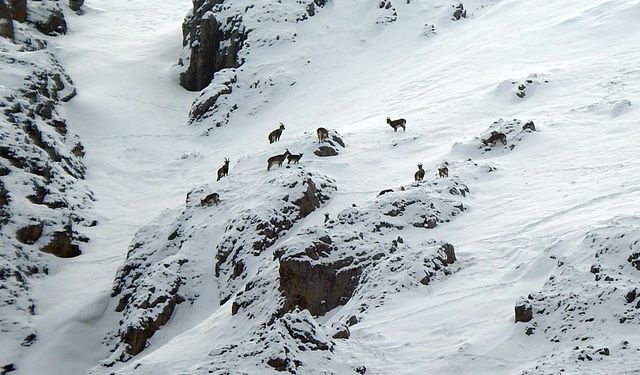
(523,311)
(30,234)
(324,151)
(62,246)
(54,25)
(75,4)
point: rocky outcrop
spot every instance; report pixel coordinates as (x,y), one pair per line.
(336,264)
(159,274)
(568,310)
(43,198)
(253,231)
(218,36)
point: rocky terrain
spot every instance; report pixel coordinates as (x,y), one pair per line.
(43,198)
(151,224)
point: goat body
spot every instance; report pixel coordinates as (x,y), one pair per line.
(395,124)
(293,158)
(495,137)
(443,172)
(277,159)
(274,136)
(224,170)
(323,134)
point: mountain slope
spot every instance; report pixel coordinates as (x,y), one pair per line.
(539,212)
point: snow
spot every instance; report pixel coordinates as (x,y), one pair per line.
(540,201)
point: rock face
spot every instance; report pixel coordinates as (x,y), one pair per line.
(43,198)
(159,274)
(568,310)
(331,265)
(218,36)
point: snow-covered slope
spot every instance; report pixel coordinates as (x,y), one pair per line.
(309,268)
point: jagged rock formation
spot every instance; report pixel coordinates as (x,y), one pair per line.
(42,193)
(216,30)
(160,271)
(570,310)
(218,37)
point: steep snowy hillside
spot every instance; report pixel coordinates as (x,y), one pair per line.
(517,254)
(44,200)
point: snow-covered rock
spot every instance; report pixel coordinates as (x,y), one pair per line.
(589,307)
(43,198)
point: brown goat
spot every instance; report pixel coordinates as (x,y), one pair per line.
(213,198)
(293,158)
(274,136)
(277,159)
(395,124)
(323,134)
(419,175)
(224,170)
(495,137)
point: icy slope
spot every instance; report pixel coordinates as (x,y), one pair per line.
(539,212)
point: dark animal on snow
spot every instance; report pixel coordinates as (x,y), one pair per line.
(209,199)
(443,172)
(293,158)
(274,136)
(323,134)
(224,170)
(277,159)
(419,175)
(385,191)
(495,137)
(399,123)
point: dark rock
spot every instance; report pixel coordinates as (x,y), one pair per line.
(213,45)
(460,12)
(341,331)
(317,287)
(6,25)
(18,10)
(54,25)
(530,126)
(62,246)
(136,337)
(75,4)
(324,151)
(449,253)
(8,368)
(604,351)
(360,370)
(29,340)
(279,364)
(631,296)
(29,234)
(524,311)
(309,201)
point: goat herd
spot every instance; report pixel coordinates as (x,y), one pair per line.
(323,135)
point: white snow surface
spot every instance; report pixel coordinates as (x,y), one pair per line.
(542,201)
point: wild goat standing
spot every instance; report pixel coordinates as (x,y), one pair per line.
(419,175)
(323,134)
(293,158)
(495,137)
(443,172)
(395,124)
(224,170)
(274,136)
(278,159)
